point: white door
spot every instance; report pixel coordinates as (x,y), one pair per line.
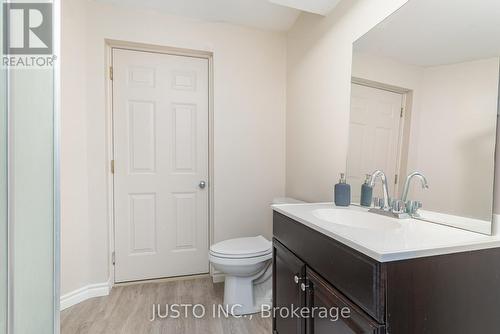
(374,137)
(160,119)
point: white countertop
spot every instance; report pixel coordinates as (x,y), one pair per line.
(413,239)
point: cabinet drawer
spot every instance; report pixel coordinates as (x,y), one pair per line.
(355,275)
(343,316)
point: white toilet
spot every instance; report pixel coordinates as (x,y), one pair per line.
(246,263)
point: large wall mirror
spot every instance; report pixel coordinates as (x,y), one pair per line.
(424,98)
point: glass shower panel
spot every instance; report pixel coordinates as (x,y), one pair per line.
(31,291)
(3,194)
(32,200)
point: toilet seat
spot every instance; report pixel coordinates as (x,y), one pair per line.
(242,248)
(240,256)
(239,261)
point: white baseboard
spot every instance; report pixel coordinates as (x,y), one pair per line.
(218,277)
(82,294)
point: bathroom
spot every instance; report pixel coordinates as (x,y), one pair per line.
(332,154)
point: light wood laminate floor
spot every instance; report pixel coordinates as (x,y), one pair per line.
(128,310)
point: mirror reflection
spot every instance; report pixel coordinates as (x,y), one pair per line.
(424,99)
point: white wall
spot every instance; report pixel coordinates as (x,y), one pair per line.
(249,120)
(318,94)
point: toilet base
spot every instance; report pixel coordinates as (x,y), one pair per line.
(238,296)
(246,295)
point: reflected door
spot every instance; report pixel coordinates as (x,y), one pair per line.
(374,137)
(160,115)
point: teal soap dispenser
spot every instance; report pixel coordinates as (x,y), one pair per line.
(366,192)
(342,192)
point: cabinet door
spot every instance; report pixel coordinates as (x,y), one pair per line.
(322,296)
(288,274)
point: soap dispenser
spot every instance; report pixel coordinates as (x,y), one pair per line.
(366,192)
(342,192)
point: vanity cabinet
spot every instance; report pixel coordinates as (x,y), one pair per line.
(445,294)
(297,287)
(289,273)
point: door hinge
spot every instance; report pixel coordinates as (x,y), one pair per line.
(113,260)
(396,179)
(112,166)
(111,73)
(402,112)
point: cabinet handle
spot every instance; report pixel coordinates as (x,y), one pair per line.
(304,286)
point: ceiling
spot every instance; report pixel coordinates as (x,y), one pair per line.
(430,32)
(321,7)
(262,14)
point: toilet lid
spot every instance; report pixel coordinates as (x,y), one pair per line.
(242,247)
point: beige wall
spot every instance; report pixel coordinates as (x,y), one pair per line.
(75,225)
(249,120)
(457,131)
(318,94)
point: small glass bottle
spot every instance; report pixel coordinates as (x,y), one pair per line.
(366,192)
(342,192)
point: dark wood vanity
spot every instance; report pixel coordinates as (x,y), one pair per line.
(445,294)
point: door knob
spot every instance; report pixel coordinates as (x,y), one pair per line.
(304,286)
(202,184)
(296,279)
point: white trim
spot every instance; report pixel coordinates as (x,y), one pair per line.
(494,225)
(112,44)
(218,276)
(163,280)
(109,157)
(82,294)
(379,85)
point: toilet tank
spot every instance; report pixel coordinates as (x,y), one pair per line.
(287,200)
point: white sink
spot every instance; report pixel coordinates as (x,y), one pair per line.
(356,219)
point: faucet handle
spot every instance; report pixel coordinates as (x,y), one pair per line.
(413,206)
(398,206)
(392,202)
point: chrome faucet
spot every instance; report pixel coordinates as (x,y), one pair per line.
(406,189)
(413,206)
(383,178)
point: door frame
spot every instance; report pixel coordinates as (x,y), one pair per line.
(111,44)
(404,126)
